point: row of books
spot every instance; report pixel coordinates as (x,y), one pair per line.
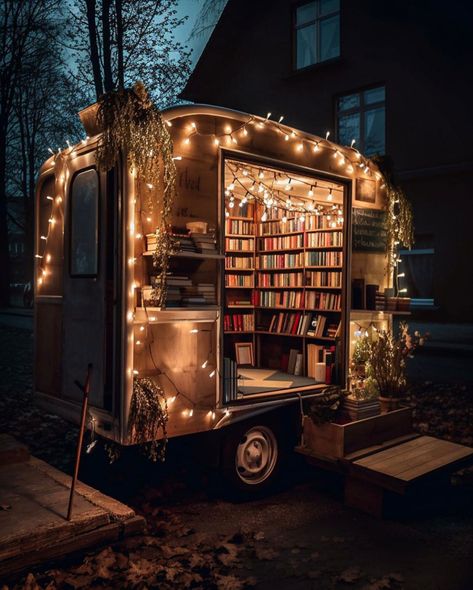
(281,243)
(279,227)
(301,324)
(288,299)
(235,280)
(239,244)
(284,261)
(323,258)
(324,278)
(320,361)
(238,322)
(323,300)
(280,279)
(243,209)
(324,239)
(239,227)
(319,222)
(239,262)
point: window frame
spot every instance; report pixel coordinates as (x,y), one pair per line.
(361,111)
(70,221)
(316,24)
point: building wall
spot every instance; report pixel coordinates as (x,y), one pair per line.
(422,53)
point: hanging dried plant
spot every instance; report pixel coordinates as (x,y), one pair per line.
(399,223)
(148,418)
(399,216)
(133,126)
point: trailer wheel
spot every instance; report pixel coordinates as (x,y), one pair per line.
(251,458)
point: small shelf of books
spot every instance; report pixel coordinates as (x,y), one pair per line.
(191,280)
(283,277)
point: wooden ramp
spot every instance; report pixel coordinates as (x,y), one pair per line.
(33,505)
(397,468)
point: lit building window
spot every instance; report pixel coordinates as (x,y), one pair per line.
(361,116)
(317,32)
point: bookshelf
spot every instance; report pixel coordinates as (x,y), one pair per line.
(293,281)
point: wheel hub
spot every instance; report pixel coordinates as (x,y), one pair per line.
(256,455)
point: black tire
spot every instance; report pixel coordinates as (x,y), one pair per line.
(252,456)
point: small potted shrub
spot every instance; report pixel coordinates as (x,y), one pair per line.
(386,364)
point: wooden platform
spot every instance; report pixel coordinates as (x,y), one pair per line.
(399,467)
(33,528)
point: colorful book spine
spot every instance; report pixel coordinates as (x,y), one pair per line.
(236,280)
(323,278)
(239,244)
(239,262)
(282,242)
(281,261)
(239,227)
(277,279)
(324,239)
(323,258)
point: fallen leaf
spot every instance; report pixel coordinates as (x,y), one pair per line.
(350,575)
(228,583)
(259,536)
(265,553)
(5,507)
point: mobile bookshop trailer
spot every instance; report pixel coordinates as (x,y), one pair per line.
(269,229)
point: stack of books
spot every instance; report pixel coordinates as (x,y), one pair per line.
(183,242)
(203,243)
(358,409)
(199,294)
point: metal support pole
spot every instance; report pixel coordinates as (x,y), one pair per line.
(85,390)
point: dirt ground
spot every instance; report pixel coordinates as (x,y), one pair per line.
(301,537)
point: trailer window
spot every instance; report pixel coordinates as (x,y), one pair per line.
(84,224)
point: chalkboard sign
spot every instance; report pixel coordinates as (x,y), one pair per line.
(369,230)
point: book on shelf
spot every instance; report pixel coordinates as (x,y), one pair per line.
(325,239)
(295,241)
(244,209)
(240,244)
(238,263)
(239,227)
(299,364)
(238,322)
(280,261)
(280,279)
(293,352)
(323,278)
(288,299)
(323,300)
(320,362)
(204,242)
(270,227)
(316,325)
(237,280)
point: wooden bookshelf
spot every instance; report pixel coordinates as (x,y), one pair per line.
(288,260)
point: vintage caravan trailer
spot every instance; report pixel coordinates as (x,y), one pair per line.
(272,228)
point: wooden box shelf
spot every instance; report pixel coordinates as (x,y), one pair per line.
(336,441)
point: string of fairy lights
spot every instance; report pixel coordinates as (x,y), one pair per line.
(277,200)
(272,189)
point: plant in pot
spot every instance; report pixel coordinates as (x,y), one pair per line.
(386,363)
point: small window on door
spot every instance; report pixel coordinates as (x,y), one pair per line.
(84,214)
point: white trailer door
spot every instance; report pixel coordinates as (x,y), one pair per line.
(84,328)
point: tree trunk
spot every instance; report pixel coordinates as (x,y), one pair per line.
(107,52)
(4,253)
(94,50)
(121,73)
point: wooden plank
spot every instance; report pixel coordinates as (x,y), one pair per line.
(435,464)
(388,444)
(383,455)
(412,458)
(410,454)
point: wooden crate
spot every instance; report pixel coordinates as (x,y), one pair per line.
(335,441)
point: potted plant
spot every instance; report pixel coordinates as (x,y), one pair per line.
(386,363)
